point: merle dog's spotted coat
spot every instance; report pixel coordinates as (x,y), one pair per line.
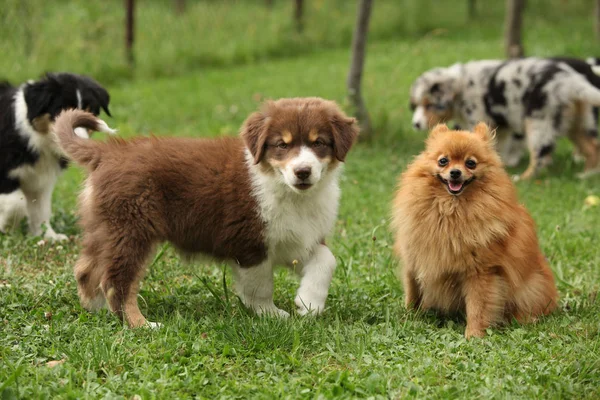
(533,99)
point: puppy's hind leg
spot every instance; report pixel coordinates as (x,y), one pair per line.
(412,291)
(89,270)
(125,257)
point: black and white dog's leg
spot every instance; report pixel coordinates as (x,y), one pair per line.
(510,146)
(39,206)
(12,210)
(254,286)
(541,142)
(316,276)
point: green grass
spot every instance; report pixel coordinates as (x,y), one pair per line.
(366,344)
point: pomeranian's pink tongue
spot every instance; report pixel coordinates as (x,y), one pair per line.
(455,186)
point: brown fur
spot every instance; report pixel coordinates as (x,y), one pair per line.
(194,193)
(476,252)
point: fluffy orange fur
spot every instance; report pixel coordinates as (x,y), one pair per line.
(474,252)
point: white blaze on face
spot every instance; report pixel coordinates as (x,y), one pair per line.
(419,119)
(306,159)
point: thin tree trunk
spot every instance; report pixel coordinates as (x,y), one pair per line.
(512,28)
(129,30)
(471,8)
(597,19)
(298,12)
(179,6)
(357,62)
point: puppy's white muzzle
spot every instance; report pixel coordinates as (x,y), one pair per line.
(304,171)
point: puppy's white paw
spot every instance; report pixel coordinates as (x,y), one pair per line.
(306,306)
(55,237)
(270,310)
(153,325)
(516,178)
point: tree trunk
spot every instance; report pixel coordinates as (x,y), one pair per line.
(129,30)
(512,28)
(357,62)
(471,9)
(597,19)
(298,11)
(179,6)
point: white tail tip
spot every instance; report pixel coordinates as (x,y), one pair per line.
(103,127)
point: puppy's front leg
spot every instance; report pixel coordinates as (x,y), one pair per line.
(39,205)
(314,286)
(254,286)
(484,298)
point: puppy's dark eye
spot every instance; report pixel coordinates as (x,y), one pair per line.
(442,162)
(318,143)
(282,145)
(471,164)
(412,106)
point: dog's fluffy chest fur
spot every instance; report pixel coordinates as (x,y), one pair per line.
(295,222)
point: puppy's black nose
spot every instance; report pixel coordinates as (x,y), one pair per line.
(417,125)
(455,174)
(302,172)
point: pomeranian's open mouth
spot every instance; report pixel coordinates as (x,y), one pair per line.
(455,187)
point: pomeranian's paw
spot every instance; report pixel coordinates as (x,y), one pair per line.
(474,332)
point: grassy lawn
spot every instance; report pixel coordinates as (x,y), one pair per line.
(366,344)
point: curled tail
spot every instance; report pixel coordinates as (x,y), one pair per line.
(84,151)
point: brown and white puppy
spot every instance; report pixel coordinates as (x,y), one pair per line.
(266,199)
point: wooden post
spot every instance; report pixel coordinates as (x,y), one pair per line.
(597,19)
(298,11)
(179,6)
(512,28)
(471,9)
(357,62)
(129,30)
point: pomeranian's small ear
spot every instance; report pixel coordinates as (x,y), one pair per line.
(483,132)
(439,128)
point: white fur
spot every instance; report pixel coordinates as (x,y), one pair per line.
(12,209)
(37,180)
(81,132)
(419,120)
(296,224)
(305,159)
(79,102)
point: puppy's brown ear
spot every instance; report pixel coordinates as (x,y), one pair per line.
(345,131)
(483,132)
(254,134)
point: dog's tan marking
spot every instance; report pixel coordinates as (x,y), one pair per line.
(286,136)
(313,135)
(42,123)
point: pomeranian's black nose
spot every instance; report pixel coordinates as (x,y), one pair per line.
(455,174)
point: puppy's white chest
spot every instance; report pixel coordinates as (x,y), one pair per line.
(293,230)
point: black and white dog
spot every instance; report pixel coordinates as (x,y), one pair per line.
(30,160)
(534,99)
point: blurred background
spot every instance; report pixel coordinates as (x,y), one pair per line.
(298,47)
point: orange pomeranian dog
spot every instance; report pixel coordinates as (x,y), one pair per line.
(466,243)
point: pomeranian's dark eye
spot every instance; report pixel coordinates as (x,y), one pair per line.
(442,162)
(282,145)
(471,164)
(412,106)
